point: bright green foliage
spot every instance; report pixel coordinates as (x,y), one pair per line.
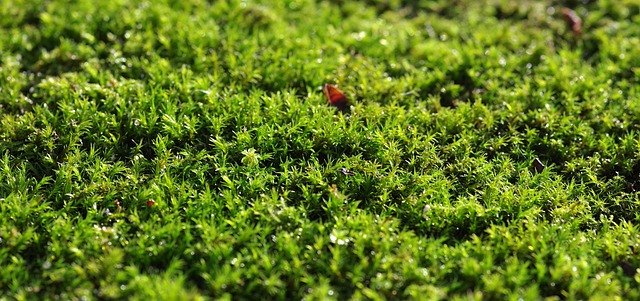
(184,150)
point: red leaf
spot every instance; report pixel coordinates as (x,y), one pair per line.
(572,19)
(335,97)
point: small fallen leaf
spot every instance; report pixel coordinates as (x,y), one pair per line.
(346,172)
(573,20)
(537,164)
(335,97)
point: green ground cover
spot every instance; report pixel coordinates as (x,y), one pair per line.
(185,150)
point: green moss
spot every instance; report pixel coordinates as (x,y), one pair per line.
(185,150)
